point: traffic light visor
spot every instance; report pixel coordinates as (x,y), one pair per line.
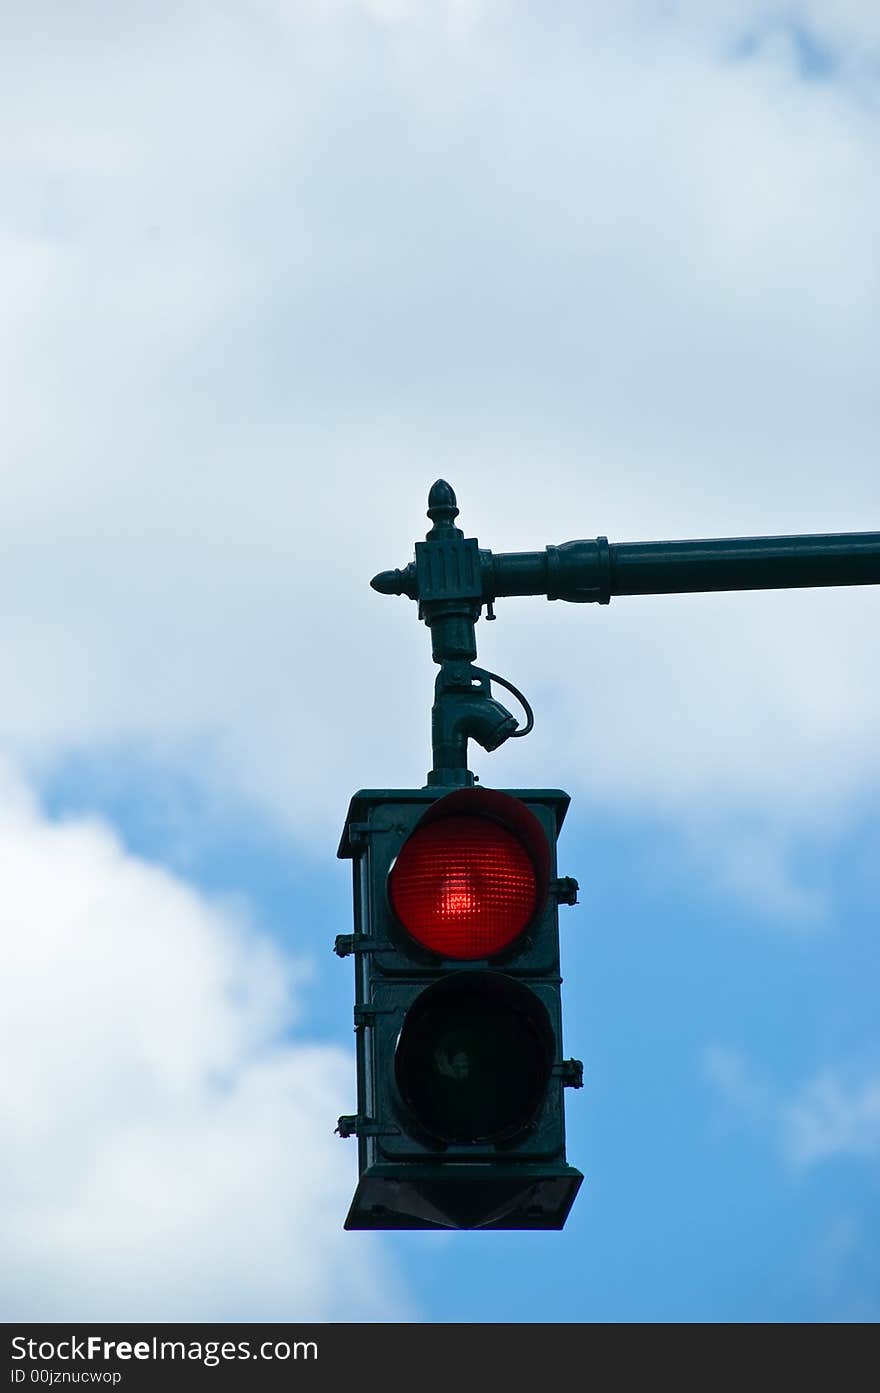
(465,886)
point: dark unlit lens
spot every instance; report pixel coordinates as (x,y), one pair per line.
(474,1058)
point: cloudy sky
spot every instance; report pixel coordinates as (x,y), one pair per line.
(269,268)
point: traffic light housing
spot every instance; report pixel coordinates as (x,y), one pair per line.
(458,1018)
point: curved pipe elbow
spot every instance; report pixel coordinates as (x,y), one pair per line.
(483,719)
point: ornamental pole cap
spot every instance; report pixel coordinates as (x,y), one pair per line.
(442,508)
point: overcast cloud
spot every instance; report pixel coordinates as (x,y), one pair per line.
(168,1146)
(829,1116)
(267,270)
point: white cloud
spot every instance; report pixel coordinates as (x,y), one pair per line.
(168,1144)
(847,24)
(268,277)
(728,1071)
(832,1118)
(840,1266)
(829,1116)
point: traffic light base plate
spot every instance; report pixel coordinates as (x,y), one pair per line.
(450,1196)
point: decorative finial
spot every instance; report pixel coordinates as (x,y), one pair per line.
(442,509)
(396,582)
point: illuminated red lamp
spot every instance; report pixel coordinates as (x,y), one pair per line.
(464,886)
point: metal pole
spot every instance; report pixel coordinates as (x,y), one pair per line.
(595,570)
(452,578)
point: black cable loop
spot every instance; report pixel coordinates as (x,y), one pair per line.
(530,715)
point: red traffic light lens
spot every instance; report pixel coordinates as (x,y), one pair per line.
(463,886)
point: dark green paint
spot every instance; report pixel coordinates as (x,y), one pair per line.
(460,1074)
(460,1071)
(452,578)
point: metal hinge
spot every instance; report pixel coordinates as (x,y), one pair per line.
(355,943)
(366,1015)
(565,889)
(358,832)
(571,1071)
(351,1125)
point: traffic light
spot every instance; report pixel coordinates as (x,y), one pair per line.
(458,1016)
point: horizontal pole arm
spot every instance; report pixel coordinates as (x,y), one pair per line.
(595,570)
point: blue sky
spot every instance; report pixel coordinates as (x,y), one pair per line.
(269,270)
